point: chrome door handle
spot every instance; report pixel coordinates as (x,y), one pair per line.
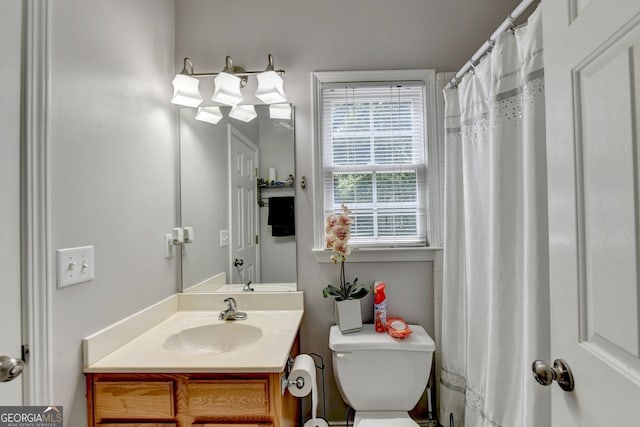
(545,374)
(10,368)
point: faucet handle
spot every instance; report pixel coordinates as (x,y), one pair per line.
(231,303)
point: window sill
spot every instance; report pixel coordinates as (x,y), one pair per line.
(381,254)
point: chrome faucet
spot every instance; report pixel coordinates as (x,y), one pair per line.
(231,313)
(247,287)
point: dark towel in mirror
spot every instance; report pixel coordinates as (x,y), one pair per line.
(281,216)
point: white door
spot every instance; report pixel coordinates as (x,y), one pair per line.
(592,78)
(243,217)
(10,325)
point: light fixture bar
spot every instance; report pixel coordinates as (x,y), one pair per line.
(229,70)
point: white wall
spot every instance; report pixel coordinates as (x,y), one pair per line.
(113,169)
(306,36)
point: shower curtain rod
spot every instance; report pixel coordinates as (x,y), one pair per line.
(508,23)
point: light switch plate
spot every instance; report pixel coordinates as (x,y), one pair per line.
(75,265)
(224,238)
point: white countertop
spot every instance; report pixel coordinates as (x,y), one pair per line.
(136,344)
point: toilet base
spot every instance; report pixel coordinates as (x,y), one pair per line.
(383,419)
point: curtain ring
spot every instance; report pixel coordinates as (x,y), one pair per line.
(473,66)
(512,25)
(492,44)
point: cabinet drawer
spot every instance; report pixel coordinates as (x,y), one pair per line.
(122,399)
(136,425)
(224,399)
(233,425)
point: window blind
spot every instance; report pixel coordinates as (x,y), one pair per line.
(374,160)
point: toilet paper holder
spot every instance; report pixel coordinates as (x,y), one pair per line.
(287,382)
(299,382)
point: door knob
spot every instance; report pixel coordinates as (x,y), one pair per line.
(545,374)
(10,368)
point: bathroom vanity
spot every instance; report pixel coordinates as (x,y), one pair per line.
(189,399)
(176,364)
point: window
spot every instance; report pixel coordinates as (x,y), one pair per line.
(372,138)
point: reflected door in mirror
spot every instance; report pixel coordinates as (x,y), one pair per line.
(244,212)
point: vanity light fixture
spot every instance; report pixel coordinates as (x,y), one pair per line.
(244,113)
(227,89)
(280,111)
(270,85)
(185,87)
(209,114)
(228,84)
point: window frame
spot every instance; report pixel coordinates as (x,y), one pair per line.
(432,156)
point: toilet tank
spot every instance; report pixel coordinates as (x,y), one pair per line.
(376,372)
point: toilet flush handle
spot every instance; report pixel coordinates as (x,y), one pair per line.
(345,356)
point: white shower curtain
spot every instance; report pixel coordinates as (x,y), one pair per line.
(495,317)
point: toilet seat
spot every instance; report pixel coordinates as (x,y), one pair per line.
(383,419)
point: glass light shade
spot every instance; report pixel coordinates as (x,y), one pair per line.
(244,113)
(280,111)
(270,88)
(209,114)
(186,91)
(227,89)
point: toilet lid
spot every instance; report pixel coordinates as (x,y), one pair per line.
(369,339)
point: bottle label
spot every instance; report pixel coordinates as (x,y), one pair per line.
(380,316)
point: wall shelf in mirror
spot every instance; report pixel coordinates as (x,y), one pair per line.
(264,185)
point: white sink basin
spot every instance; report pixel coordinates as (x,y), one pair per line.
(213,338)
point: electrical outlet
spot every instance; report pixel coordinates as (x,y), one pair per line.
(75,265)
(169,247)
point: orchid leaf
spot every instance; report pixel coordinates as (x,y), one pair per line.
(359,293)
(333,291)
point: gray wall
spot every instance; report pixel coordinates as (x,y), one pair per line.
(306,36)
(112,169)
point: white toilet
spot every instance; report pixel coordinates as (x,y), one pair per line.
(382,378)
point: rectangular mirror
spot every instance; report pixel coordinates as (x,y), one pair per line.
(237,194)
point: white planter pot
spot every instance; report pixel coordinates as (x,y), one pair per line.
(348,315)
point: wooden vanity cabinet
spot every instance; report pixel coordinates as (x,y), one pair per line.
(189,400)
